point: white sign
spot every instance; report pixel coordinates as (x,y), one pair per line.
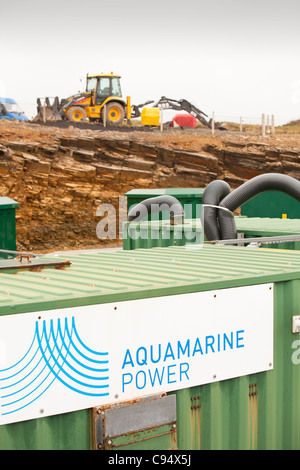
(58,361)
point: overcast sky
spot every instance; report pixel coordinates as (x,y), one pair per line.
(233,57)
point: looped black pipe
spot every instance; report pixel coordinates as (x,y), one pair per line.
(156,204)
(213,194)
(224,219)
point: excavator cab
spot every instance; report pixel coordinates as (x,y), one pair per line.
(106,97)
(103,87)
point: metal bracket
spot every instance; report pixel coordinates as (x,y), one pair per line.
(26,262)
(258,240)
(296,324)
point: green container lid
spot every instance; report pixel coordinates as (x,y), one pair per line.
(96,278)
(253,227)
(267,227)
(176,192)
(7,203)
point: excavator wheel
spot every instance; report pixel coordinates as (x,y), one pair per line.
(114,113)
(76,114)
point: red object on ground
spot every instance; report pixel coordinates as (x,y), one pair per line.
(184,120)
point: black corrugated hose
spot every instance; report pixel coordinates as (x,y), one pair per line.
(219,223)
(213,194)
(156,204)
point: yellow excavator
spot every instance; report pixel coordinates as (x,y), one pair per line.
(101,101)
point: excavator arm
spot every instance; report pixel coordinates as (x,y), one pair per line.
(136,109)
(184,105)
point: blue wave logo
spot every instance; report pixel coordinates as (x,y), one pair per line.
(56,353)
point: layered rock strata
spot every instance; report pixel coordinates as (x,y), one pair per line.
(60,183)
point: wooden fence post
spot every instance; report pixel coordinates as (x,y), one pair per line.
(273,124)
(263,125)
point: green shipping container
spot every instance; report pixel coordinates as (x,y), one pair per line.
(161,233)
(272,204)
(7,225)
(190,198)
(255,227)
(162,348)
(147,234)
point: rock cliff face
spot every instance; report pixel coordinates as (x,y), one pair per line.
(60,180)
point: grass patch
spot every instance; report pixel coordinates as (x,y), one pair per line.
(292,127)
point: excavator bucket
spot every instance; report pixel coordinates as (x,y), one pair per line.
(47,111)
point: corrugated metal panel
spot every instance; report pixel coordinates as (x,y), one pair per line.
(70,431)
(259,411)
(122,275)
(156,233)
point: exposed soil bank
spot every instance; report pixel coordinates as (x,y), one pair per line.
(61,176)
